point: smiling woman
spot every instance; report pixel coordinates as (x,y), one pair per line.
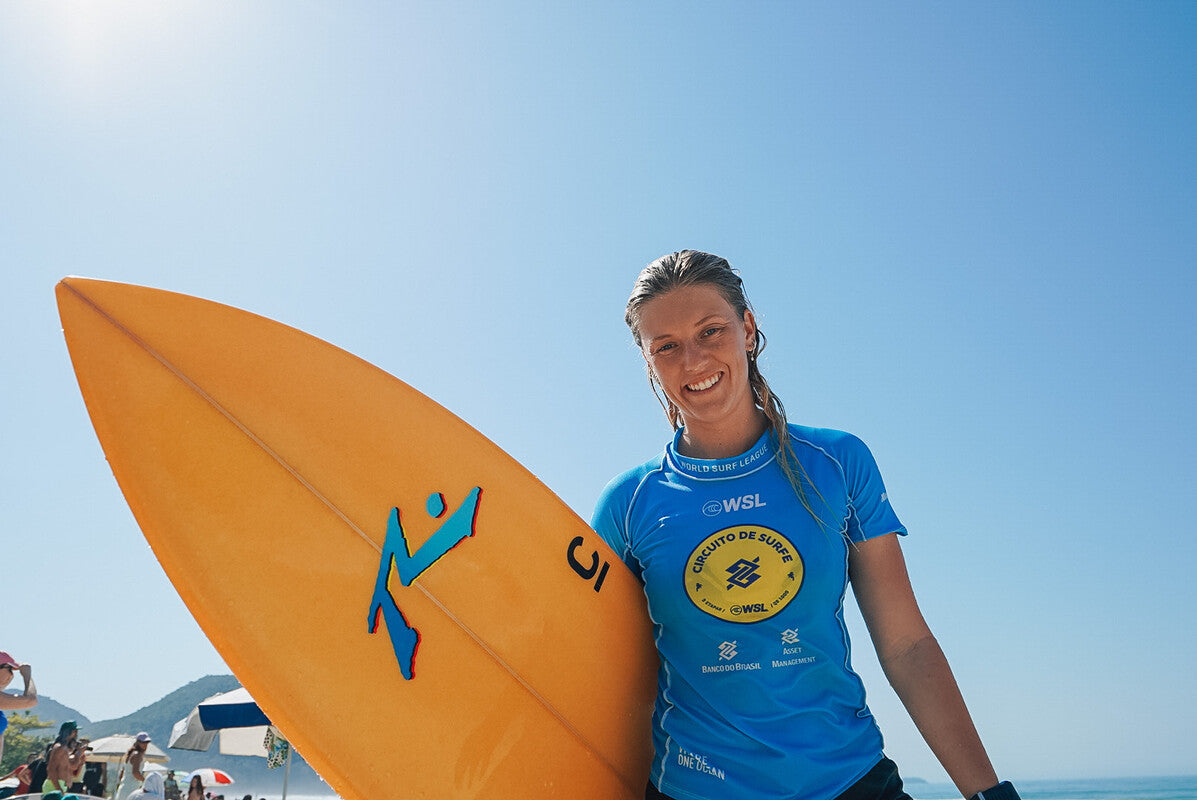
(745,534)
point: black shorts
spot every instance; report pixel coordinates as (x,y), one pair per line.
(882,782)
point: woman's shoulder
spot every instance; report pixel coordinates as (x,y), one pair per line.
(847,450)
(620,490)
(824,437)
(629,479)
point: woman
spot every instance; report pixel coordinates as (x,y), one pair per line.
(131,776)
(745,533)
(195,789)
(14,702)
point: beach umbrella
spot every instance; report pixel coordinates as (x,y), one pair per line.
(112,749)
(241,727)
(211,776)
(235,709)
(189,734)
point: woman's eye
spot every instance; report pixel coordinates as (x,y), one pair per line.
(711,331)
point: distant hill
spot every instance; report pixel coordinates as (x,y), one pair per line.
(54,713)
(157,719)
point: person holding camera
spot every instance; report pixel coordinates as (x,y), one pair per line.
(67,758)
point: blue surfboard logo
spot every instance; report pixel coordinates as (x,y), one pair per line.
(397,556)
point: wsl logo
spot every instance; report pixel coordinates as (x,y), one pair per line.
(713,508)
(746,573)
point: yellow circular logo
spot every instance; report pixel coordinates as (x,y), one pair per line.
(746,573)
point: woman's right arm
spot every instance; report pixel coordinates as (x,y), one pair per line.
(27,699)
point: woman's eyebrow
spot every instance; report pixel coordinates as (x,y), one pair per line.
(698,324)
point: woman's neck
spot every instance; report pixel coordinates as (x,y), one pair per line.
(724,441)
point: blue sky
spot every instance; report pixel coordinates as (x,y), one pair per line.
(967,230)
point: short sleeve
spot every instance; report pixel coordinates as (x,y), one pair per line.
(611,514)
(871,514)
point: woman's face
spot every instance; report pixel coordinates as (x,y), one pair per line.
(697,346)
(6,675)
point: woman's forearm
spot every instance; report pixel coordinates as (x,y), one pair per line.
(923,681)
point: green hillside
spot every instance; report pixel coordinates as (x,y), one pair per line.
(53,713)
(158,718)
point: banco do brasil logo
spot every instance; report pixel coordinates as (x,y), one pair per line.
(745,573)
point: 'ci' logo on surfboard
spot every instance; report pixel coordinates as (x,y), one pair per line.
(409,566)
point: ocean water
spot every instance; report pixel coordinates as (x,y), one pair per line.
(1174,788)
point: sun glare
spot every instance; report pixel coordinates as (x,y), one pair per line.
(97,47)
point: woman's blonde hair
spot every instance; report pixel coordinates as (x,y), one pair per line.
(694,268)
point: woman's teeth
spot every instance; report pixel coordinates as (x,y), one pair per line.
(707,384)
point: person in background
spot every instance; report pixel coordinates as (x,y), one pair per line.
(95,778)
(152,789)
(195,789)
(14,702)
(84,747)
(745,534)
(131,776)
(170,786)
(65,758)
(23,773)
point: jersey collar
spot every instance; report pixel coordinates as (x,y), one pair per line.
(747,462)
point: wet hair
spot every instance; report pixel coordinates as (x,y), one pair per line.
(694,268)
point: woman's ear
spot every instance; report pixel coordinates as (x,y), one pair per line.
(749,331)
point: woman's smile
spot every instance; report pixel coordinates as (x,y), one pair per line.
(702,386)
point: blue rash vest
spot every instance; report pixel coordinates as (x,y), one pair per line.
(756,694)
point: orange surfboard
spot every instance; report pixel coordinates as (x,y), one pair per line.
(418,614)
